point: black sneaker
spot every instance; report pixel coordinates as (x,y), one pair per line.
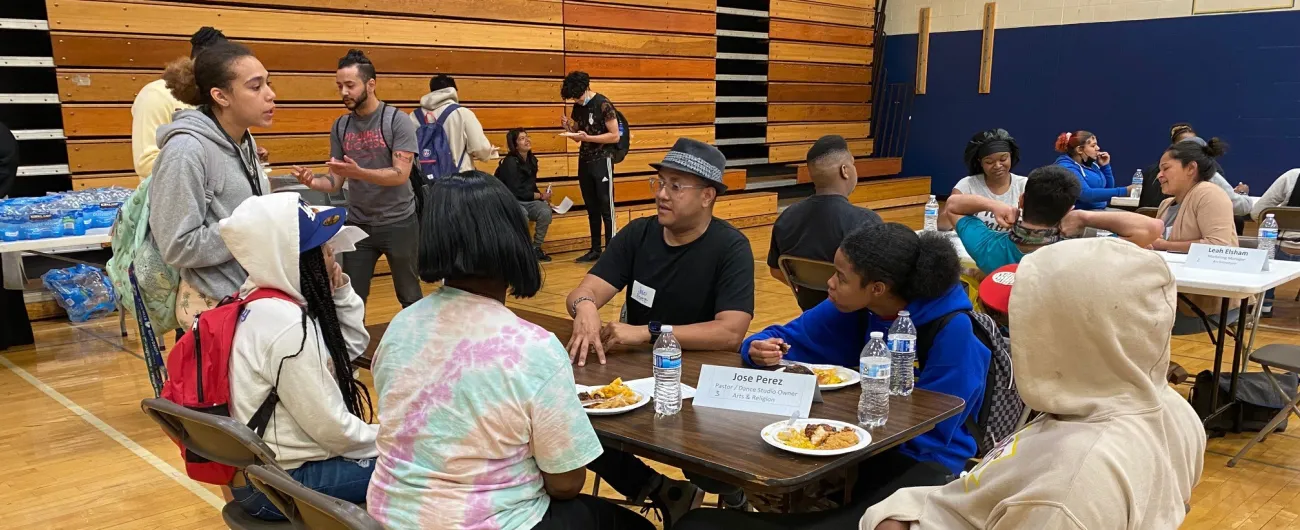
(540,255)
(673,499)
(588,257)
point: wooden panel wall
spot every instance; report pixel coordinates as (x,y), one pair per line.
(653,58)
(819,75)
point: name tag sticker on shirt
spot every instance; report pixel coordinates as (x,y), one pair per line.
(642,294)
(1226,259)
(761,391)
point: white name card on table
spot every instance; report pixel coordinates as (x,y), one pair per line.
(1226,259)
(761,391)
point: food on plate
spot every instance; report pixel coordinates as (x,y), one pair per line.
(828,376)
(611,396)
(819,436)
(799,369)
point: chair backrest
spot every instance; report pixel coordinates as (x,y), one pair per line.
(1149,211)
(219,439)
(1287,217)
(803,273)
(307,508)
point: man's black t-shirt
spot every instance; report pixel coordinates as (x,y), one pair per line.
(591,118)
(681,285)
(813,229)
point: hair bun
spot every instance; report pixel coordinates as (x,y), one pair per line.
(180,80)
(1063,142)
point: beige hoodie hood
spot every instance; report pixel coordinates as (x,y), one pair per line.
(1117,448)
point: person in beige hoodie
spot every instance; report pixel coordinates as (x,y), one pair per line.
(1115,447)
(464,132)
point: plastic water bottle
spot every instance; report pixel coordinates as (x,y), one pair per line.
(668,373)
(873,405)
(1137,185)
(902,350)
(932,215)
(1268,236)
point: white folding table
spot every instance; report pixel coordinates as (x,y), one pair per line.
(12,255)
(1229,286)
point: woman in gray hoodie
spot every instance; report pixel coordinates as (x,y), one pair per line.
(208,165)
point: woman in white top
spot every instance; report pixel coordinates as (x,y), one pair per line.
(990,155)
(300,345)
(1281,193)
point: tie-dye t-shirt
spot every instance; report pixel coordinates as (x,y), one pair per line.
(474,403)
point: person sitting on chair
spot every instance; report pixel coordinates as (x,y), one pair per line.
(300,350)
(479,424)
(1115,447)
(684,268)
(989,157)
(814,227)
(518,171)
(1044,216)
(1197,212)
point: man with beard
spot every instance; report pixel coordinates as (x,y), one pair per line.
(371,149)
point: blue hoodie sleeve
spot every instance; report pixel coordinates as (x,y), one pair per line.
(1103,194)
(839,337)
(957,365)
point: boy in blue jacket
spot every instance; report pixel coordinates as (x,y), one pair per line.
(879,271)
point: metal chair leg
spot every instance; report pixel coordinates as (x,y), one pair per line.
(1293,406)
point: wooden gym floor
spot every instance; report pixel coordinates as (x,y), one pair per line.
(80,454)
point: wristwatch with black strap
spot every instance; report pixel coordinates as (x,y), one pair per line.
(655,328)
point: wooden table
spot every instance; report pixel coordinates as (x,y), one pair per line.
(724,444)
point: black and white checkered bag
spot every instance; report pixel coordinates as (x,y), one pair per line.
(1000,413)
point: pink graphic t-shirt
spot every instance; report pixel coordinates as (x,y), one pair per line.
(474,404)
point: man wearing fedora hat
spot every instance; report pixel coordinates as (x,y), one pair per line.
(682,267)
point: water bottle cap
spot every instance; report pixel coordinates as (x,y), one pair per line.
(904,313)
(932,196)
(1268,216)
(665,329)
(877,335)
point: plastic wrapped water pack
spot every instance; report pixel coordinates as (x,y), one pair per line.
(60,214)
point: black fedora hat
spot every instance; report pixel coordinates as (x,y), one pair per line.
(696,158)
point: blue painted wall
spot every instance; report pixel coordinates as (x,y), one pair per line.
(1233,76)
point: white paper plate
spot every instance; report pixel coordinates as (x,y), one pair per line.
(645,398)
(769,435)
(850,377)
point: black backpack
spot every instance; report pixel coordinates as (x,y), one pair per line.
(619,152)
(1000,414)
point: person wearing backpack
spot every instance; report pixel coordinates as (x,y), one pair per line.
(464,138)
(298,343)
(883,269)
(372,149)
(1116,447)
(208,165)
(594,124)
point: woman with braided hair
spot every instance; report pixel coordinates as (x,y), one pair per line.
(989,157)
(299,345)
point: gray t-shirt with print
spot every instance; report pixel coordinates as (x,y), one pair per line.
(370,141)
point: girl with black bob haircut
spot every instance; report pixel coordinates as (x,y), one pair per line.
(881,272)
(458,373)
(474,237)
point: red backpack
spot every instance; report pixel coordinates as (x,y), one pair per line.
(199,377)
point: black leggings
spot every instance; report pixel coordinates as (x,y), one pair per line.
(585,512)
(878,478)
(595,182)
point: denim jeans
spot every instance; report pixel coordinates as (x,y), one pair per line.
(341,478)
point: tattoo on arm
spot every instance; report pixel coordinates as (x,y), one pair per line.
(404,156)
